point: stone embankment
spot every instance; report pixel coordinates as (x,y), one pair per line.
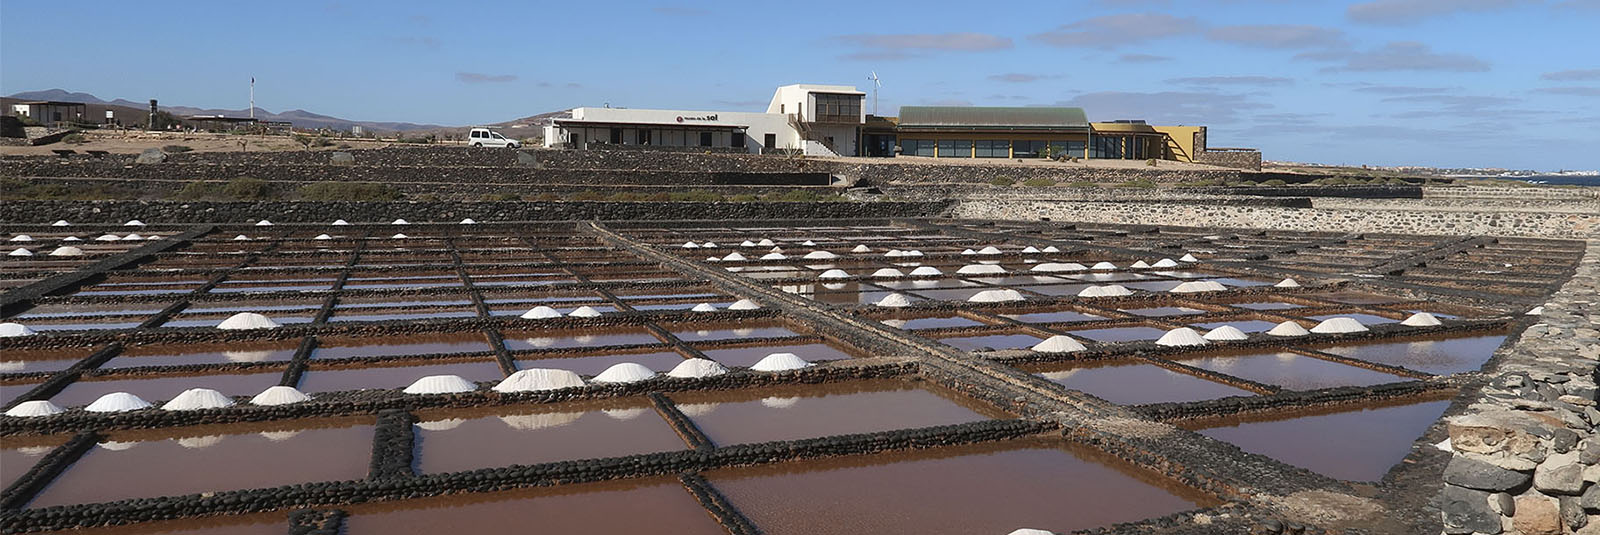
(1526,453)
(1396,221)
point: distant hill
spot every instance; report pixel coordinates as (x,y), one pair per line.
(300,118)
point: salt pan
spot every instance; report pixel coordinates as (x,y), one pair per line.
(778,362)
(538,379)
(627,372)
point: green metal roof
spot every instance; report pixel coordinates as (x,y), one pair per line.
(993,118)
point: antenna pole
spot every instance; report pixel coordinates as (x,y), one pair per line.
(252,97)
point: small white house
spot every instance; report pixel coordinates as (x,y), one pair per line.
(818,120)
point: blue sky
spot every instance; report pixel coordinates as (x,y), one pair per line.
(1508,83)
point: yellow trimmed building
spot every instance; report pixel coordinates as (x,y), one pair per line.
(1034,132)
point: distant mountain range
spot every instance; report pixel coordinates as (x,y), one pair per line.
(300,118)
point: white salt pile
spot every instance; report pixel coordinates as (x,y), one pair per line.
(1164,263)
(537,379)
(773,256)
(1103,266)
(820,255)
(1059,266)
(704,307)
(13,330)
(1182,336)
(152,237)
(133,236)
(21,237)
(627,372)
(1188,258)
(441,384)
(584,312)
(1536,311)
(1421,319)
(241,237)
(398,236)
(926,271)
(778,362)
(713,259)
(747,243)
(1059,344)
(697,368)
(263,223)
(1030,250)
(690,245)
(246,321)
(709,245)
(861,249)
(888,273)
(969,252)
(1288,328)
(990,250)
(766,242)
(61,223)
(1139,265)
(995,296)
(834,274)
(196,399)
(894,300)
(107,237)
(1198,286)
(323,237)
(71,238)
(1109,290)
(1339,325)
(743,304)
(34,409)
(776,249)
(809,243)
(117,402)
(734,257)
(341,222)
(894,253)
(469,221)
(20,252)
(1226,333)
(400,222)
(133,223)
(912,252)
(541,312)
(976,269)
(279,395)
(1031,531)
(1287,283)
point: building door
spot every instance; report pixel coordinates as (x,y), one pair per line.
(616,136)
(770,141)
(644,136)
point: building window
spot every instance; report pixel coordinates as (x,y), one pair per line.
(770,141)
(738,140)
(705,139)
(1022,148)
(616,136)
(838,108)
(917,147)
(992,148)
(644,136)
(955,148)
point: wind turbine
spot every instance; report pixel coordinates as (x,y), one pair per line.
(876,83)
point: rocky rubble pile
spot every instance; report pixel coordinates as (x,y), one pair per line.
(1527,457)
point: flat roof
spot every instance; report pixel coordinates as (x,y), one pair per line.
(947,118)
(52,103)
(583,122)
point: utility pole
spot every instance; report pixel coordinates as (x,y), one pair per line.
(252,97)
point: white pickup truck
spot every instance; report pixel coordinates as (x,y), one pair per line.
(484,137)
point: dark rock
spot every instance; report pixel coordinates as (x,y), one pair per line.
(1572,512)
(1474,474)
(1564,440)
(1467,511)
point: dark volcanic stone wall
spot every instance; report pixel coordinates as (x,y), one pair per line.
(161,212)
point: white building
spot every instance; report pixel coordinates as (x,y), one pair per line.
(819,120)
